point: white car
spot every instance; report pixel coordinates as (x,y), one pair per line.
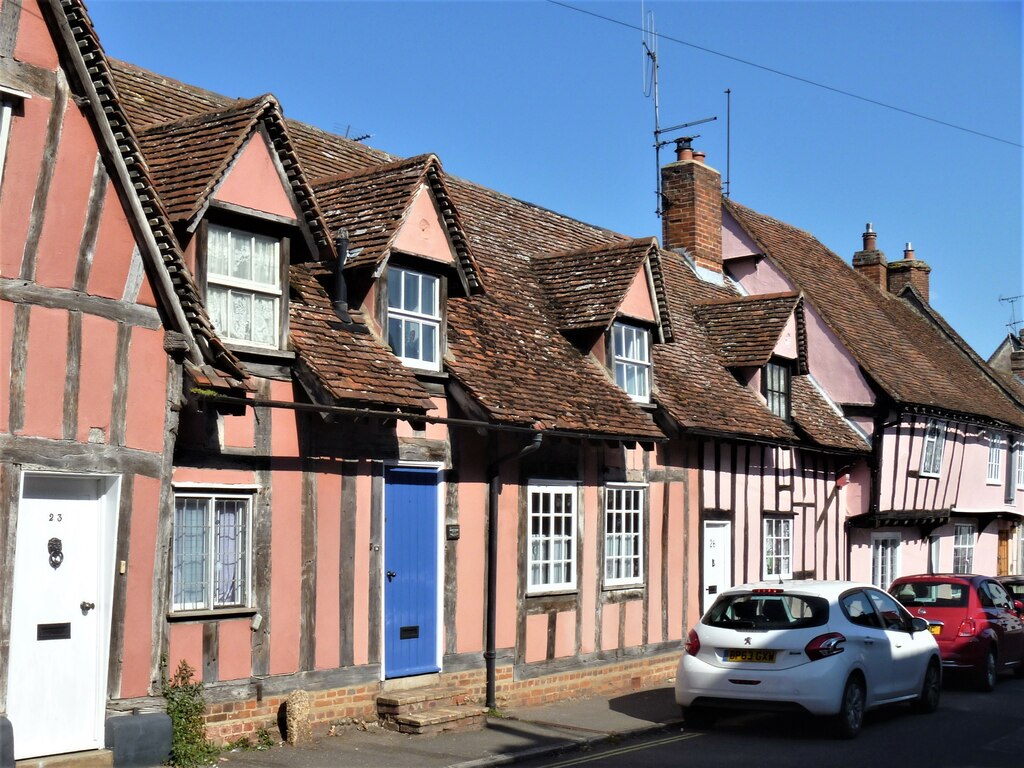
(834,648)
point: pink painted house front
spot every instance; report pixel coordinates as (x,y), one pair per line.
(349,425)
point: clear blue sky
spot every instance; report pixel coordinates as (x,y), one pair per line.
(546,104)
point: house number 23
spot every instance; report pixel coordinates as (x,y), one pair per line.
(58,517)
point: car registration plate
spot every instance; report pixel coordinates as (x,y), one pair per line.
(934,629)
(757,656)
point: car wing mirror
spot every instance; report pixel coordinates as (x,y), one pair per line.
(1018,606)
(917,624)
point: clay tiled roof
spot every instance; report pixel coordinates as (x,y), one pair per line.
(587,286)
(901,350)
(371,205)
(820,421)
(344,360)
(505,349)
(745,330)
(190,157)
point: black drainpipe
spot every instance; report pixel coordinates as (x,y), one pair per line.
(340,288)
(494,483)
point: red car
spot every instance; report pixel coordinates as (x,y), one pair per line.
(976,622)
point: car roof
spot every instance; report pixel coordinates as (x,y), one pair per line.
(958,577)
(822,588)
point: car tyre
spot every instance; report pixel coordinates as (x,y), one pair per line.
(700,718)
(985,679)
(931,690)
(851,709)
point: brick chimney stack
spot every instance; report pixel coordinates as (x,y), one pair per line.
(870,261)
(909,271)
(692,207)
(1017,358)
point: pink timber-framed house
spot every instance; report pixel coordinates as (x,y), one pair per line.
(347,424)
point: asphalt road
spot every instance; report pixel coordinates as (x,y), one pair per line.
(969,730)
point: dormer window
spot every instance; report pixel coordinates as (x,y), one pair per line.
(414,317)
(776,388)
(243,286)
(631,354)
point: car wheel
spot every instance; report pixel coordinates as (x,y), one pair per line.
(698,717)
(986,673)
(851,711)
(931,690)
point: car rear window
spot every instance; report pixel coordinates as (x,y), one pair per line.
(932,594)
(768,611)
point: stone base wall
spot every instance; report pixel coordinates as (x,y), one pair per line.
(232,720)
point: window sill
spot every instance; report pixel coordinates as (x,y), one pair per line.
(248,352)
(211,615)
(615,593)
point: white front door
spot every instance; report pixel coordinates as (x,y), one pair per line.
(60,617)
(717,560)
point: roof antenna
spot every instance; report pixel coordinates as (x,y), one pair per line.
(649,40)
(728,140)
(1014,324)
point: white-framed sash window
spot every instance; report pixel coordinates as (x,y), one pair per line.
(551,537)
(631,353)
(778,547)
(885,558)
(931,453)
(623,535)
(243,286)
(963,548)
(211,550)
(414,317)
(996,445)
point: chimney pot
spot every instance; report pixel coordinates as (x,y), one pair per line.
(908,252)
(699,156)
(684,148)
(870,238)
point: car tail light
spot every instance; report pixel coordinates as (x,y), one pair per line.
(767,591)
(825,645)
(968,628)
(692,644)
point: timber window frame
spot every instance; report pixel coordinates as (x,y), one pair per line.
(211,550)
(932,448)
(551,537)
(1019,454)
(624,534)
(777,387)
(885,558)
(963,547)
(631,360)
(777,547)
(10,102)
(414,318)
(994,468)
(244,295)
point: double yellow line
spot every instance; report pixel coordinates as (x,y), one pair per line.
(623,750)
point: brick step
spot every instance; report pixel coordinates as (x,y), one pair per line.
(96,758)
(418,700)
(438,720)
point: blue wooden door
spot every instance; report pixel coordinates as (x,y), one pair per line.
(410,571)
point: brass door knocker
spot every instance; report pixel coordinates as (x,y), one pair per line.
(56,552)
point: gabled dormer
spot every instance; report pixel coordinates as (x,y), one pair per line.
(242,212)
(406,253)
(609,300)
(763,341)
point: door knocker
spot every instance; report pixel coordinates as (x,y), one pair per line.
(56,552)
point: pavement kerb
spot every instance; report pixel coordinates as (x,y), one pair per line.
(570,745)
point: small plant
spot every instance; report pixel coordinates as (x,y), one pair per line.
(263,739)
(185,706)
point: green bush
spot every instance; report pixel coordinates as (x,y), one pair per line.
(185,706)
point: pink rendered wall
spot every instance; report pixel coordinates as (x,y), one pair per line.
(422,233)
(147,391)
(328,565)
(634,634)
(285,541)
(6,323)
(536,637)
(254,182)
(638,302)
(470,554)
(186,642)
(22,161)
(114,246)
(655,562)
(34,45)
(45,369)
(138,642)
(565,634)
(234,639)
(735,242)
(786,345)
(589,526)
(239,431)
(68,201)
(361,566)
(508,558)
(432,431)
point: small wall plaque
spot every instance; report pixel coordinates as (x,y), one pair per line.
(452,532)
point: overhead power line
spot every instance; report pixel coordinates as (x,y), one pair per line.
(798,78)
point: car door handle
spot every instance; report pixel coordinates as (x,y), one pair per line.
(869,641)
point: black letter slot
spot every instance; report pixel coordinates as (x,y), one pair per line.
(53,631)
(409,633)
